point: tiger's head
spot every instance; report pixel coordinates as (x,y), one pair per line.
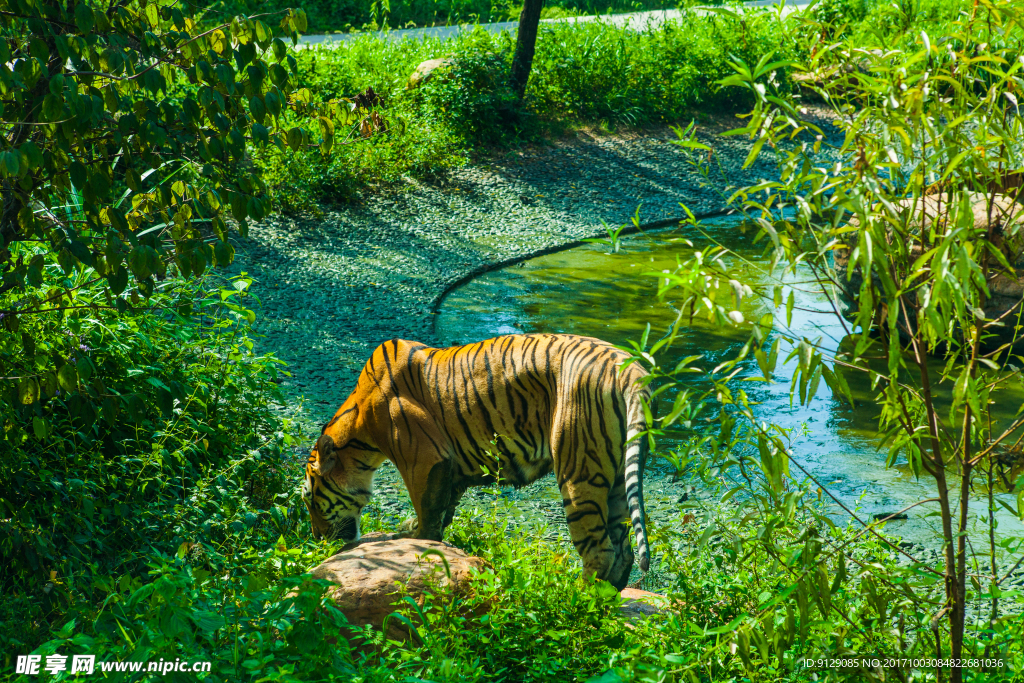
(337,487)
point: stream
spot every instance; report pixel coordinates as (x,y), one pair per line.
(589,291)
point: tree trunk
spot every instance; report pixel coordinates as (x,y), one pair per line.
(526,40)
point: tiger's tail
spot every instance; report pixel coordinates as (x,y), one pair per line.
(636,457)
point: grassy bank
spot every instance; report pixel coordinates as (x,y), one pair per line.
(137,418)
(586,74)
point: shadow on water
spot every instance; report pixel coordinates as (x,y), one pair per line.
(589,291)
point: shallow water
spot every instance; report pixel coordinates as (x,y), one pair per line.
(589,291)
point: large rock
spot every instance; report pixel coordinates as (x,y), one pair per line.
(373,576)
(426,70)
(1007,228)
(638,604)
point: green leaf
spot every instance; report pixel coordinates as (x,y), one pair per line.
(79,174)
(39,49)
(1010,508)
(224,253)
(40,427)
(35,270)
(207,621)
(31,156)
(754,151)
(954,162)
(258,109)
(84,18)
(67,377)
(197,261)
(28,391)
(184,267)
(28,346)
(117,279)
(158,383)
(56,85)
(608,677)
(10,163)
(140,261)
(762,362)
(84,367)
(815,379)
(238,206)
(274,102)
(53,107)
(280,49)
(50,384)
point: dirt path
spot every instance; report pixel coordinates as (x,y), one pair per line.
(638,20)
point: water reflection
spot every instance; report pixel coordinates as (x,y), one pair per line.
(588,291)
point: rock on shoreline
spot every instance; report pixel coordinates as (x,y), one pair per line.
(372,578)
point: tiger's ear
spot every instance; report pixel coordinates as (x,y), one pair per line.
(325,454)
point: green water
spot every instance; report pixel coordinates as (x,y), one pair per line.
(589,291)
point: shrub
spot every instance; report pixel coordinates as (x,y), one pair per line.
(136,411)
(890,223)
(474,95)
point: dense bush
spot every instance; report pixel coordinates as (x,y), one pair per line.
(125,141)
(929,130)
(415,145)
(126,373)
(103,467)
(474,95)
(582,74)
(870,23)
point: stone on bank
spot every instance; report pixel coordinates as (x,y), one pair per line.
(372,578)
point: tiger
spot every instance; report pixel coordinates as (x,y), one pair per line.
(505,411)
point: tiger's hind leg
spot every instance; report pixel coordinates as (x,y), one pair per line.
(619,531)
(597,530)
